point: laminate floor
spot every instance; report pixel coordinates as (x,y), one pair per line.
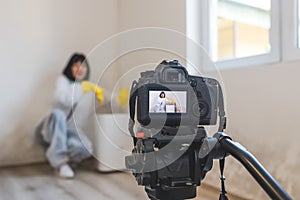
(38,182)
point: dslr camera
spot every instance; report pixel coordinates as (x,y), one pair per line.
(172,153)
(171,107)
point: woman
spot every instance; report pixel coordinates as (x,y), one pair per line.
(161,102)
(65,142)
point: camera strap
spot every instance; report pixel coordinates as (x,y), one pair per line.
(222,126)
(222,116)
(132,100)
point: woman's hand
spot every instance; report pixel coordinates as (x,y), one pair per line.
(90,87)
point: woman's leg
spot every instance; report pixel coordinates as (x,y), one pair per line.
(79,146)
(54,132)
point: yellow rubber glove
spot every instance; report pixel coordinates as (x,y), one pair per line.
(87,87)
(90,87)
(172,101)
(123,97)
(100,95)
(165,99)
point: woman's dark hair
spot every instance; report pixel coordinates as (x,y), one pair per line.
(161,94)
(74,59)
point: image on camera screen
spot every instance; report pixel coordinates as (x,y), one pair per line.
(167,101)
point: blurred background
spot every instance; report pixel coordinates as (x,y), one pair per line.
(254,44)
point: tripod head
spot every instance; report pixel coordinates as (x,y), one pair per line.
(217,147)
(176,172)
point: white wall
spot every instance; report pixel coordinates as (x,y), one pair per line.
(37,37)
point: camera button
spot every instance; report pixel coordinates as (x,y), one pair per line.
(193,82)
(140,135)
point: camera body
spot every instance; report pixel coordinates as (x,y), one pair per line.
(170,105)
(170,95)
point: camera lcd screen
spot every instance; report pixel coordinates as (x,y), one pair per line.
(167,101)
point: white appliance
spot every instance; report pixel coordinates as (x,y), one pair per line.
(112,141)
(170,108)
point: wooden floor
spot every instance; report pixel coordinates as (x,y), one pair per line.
(38,182)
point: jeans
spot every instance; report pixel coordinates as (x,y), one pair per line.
(63,144)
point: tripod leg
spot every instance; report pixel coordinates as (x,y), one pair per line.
(222,178)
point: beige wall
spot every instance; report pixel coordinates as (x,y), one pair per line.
(263,114)
(37,37)
(157,13)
